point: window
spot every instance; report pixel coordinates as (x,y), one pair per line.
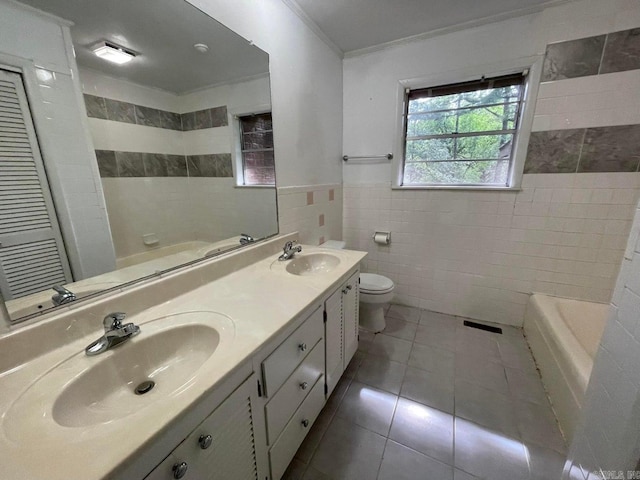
(462,134)
(256,145)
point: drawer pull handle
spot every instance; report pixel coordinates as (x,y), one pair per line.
(205,441)
(303,347)
(305,423)
(180,470)
(349,287)
(304,385)
(345,291)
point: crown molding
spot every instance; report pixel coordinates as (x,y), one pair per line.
(302,15)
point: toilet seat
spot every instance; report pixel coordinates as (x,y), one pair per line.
(373,284)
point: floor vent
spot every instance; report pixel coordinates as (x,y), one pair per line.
(481,326)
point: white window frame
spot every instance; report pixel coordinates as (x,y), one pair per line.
(531,64)
(236,145)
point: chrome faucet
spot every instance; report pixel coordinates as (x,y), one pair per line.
(115,333)
(62,296)
(244,239)
(289,250)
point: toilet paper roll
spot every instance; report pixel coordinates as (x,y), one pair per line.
(382,238)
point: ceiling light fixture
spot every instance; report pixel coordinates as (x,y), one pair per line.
(201,47)
(113,53)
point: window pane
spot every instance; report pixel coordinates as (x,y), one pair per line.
(467,99)
(478,172)
(256,123)
(480,147)
(498,117)
(257,140)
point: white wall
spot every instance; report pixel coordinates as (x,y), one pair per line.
(179,209)
(61,126)
(480,254)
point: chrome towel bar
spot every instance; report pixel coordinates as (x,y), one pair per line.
(388,156)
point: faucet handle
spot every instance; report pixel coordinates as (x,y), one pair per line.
(113,321)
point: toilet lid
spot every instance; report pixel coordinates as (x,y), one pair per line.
(370,282)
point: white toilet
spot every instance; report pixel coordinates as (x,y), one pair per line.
(376,292)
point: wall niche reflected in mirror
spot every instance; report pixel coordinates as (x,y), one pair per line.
(179,150)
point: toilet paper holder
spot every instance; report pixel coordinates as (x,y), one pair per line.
(382,238)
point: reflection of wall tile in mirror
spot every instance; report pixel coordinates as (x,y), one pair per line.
(203,119)
(107,163)
(621,52)
(219,117)
(130,164)
(176,166)
(575,58)
(149,117)
(188,121)
(120,111)
(155,165)
(554,151)
(201,166)
(611,149)
(96,106)
(170,120)
(223,164)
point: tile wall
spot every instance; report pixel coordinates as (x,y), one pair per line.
(607,440)
(314,210)
(480,254)
(170,173)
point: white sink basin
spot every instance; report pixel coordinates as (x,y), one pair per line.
(169,351)
(312,264)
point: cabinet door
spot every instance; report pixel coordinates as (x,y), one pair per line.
(350,299)
(334,350)
(224,446)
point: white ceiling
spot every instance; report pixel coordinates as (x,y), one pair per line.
(358,24)
(163,32)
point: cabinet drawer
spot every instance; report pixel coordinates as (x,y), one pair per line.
(293,434)
(293,391)
(285,359)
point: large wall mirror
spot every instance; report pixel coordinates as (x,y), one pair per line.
(178,114)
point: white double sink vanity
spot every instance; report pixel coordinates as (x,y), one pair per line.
(235,358)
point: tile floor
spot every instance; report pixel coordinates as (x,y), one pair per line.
(431,399)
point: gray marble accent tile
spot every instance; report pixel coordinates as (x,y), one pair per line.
(555,151)
(120,111)
(96,106)
(219,116)
(575,58)
(621,51)
(155,164)
(170,120)
(202,166)
(203,119)
(177,166)
(149,117)
(611,149)
(130,164)
(188,121)
(223,164)
(107,163)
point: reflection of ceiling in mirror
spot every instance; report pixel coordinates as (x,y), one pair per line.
(163,33)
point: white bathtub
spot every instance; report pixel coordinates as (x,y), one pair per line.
(564,336)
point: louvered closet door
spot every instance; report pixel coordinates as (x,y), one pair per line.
(32,257)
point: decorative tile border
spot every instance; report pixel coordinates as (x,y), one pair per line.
(114,164)
(117,111)
(585,150)
(614,52)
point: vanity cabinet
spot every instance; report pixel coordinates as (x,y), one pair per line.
(225,446)
(341,328)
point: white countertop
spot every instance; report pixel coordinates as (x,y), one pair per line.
(261,299)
